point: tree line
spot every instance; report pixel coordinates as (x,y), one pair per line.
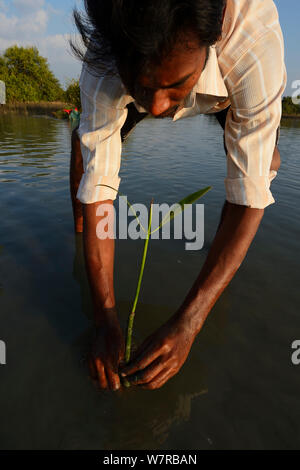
(288,107)
(27,77)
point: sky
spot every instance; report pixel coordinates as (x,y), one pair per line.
(48,25)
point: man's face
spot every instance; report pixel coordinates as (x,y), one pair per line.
(162,88)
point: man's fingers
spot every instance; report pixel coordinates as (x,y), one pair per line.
(136,355)
(148,374)
(101,374)
(113,379)
(105,376)
(115,359)
(121,356)
(140,362)
(159,380)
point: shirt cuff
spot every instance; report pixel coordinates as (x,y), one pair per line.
(89,191)
(250,191)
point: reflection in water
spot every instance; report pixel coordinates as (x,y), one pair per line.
(29,143)
(182,412)
(237,388)
(291,123)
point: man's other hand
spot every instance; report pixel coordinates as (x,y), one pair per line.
(160,356)
(107,351)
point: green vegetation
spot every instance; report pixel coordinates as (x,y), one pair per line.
(72,94)
(29,80)
(27,76)
(289,108)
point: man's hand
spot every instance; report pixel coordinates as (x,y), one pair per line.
(107,351)
(160,356)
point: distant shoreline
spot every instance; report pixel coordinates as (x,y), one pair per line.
(27,108)
(291,116)
(50,107)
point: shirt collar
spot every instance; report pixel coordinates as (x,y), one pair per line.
(210,82)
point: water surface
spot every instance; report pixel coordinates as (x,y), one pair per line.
(238,388)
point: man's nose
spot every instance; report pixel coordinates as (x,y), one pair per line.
(160,102)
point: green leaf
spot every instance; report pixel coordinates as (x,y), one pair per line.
(180,206)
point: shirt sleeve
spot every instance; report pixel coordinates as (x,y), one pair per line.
(256,84)
(103,115)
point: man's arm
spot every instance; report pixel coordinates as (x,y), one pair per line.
(99,258)
(108,344)
(164,352)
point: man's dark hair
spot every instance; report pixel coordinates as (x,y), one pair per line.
(134,33)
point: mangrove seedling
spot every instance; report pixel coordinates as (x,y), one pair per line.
(179,207)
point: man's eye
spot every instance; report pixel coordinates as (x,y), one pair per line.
(178,85)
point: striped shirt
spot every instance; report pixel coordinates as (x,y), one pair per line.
(245,71)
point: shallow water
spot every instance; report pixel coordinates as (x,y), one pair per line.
(238,388)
